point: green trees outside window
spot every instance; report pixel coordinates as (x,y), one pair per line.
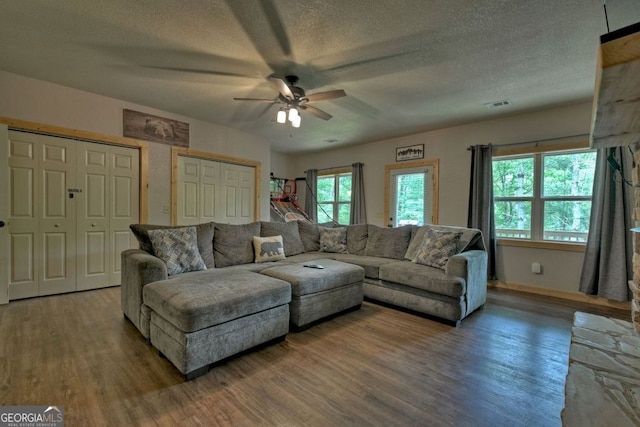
(544,196)
(334,198)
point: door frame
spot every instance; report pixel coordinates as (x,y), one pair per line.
(410,165)
(179,151)
(75,134)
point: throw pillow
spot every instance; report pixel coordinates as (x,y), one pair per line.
(178,248)
(204,232)
(333,240)
(233,243)
(437,247)
(357,238)
(309,235)
(388,242)
(290,235)
(268,248)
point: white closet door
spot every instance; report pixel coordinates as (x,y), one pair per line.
(42,217)
(238,194)
(4,214)
(107,204)
(188,190)
(228,211)
(246,191)
(93,220)
(68,210)
(124,205)
(209,189)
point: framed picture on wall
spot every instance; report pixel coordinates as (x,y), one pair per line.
(153,128)
(411,152)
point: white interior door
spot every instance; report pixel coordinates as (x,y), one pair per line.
(209,184)
(188,190)
(107,204)
(92,197)
(41,221)
(124,205)
(4,214)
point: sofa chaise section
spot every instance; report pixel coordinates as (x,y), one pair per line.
(210,315)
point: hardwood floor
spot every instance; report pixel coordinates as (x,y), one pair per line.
(505,365)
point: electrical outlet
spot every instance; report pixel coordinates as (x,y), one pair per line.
(166,210)
(536,268)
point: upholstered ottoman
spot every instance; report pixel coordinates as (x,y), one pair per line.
(320,293)
(203,317)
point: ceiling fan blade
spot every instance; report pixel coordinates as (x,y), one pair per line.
(271,101)
(283,88)
(315,112)
(206,72)
(324,96)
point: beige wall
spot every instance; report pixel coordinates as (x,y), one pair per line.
(34,100)
(561,270)
(38,101)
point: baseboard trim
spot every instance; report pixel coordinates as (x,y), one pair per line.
(572,296)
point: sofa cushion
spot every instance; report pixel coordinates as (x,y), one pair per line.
(198,300)
(370,264)
(268,248)
(178,248)
(289,232)
(469,239)
(204,232)
(437,247)
(309,235)
(333,239)
(233,244)
(357,238)
(388,242)
(423,277)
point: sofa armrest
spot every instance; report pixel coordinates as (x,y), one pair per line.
(138,268)
(472,266)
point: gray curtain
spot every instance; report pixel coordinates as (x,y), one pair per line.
(310,196)
(607,265)
(358,214)
(481,214)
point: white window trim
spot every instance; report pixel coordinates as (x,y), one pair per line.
(537,200)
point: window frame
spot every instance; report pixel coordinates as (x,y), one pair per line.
(537,207)
(336,203)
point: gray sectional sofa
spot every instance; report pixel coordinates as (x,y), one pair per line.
(206,292)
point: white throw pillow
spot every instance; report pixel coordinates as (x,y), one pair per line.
(268,248)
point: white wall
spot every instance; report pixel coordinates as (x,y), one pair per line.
(38,101)
(561,269)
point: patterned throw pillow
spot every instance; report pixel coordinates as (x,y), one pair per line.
(436,248)
(268,248)
(178,248)
(333,240)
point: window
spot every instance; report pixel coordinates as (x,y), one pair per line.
(334,198)
(544,196)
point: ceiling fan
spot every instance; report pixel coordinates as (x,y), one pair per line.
(295,98)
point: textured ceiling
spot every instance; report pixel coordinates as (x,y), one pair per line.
(406,65)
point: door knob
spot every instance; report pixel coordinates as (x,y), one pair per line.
(56,225)
(93,224)
(1,224)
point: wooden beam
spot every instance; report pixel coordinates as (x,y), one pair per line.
(616,104)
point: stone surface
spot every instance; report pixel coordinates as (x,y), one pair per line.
(603,383)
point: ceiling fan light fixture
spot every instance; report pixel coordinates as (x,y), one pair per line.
(295,122)
(281,116)
(293,113)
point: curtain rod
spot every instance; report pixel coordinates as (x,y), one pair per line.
(536,141)
(337,167)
